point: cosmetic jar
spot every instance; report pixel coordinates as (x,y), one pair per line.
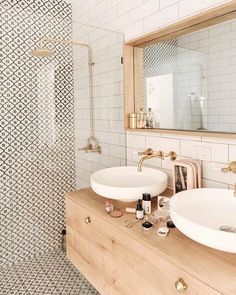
(147,226)
(133,121)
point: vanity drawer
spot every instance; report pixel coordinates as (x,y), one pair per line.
(117,263)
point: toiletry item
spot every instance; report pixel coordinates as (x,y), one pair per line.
(111,211)
(139,210)
(116,213)
(162,212)
(154,219)
(108,207)
(147,225)
(132,121)
(150,120)
(161,215)
(63,240)
(163,204)
(141,119)
(170,224)
(147,203)
(163,231)
(130,210)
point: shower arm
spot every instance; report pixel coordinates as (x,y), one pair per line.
(91,65)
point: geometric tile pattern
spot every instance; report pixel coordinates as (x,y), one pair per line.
(36,128)
(158,60)
(50,274)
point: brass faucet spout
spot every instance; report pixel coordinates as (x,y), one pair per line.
(159,155)
(149,153)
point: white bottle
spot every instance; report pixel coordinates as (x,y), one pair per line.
(147,203)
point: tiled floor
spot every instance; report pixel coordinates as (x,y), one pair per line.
(49,274)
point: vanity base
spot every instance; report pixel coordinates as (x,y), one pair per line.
(126,261)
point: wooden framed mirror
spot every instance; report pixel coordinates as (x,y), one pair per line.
(186,73)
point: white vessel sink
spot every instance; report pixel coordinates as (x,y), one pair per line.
(125,183)
(200,213)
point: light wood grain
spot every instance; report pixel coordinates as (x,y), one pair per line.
(186,132)
(117,259)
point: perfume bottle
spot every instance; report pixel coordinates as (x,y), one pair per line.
(151,119)
(141,119)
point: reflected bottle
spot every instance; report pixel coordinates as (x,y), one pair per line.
(151,119)
(141,119)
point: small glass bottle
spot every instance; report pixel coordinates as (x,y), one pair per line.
(139,210)
(141,119)
(151,120)
(132,121)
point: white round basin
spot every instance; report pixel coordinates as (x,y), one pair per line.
(207,216)
(125,183)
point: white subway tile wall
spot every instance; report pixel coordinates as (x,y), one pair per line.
(134,18)
(218,44)
(107,49)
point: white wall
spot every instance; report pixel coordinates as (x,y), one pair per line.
(108,107)
(134,18)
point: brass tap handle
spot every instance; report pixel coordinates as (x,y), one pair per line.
(160,155)
(172,155)
(147,152)
(231,168)
(180,285)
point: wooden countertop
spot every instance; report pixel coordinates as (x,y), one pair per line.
(214,268)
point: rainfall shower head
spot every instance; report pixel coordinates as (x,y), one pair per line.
(42,52)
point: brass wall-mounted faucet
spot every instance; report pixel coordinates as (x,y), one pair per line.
(149,153)
(231,168)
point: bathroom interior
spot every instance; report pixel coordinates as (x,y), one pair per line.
(118,147)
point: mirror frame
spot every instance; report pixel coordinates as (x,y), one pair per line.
(132,59)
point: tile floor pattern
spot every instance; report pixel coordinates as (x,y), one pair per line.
(50,274)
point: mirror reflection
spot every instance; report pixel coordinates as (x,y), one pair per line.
(189,82)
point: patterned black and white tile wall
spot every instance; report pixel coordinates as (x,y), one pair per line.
(36,128)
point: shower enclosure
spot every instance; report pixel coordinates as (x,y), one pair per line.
(45,120)
(37,130)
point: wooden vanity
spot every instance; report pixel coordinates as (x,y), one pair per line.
(127,261)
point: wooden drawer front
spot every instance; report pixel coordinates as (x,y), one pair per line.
(119,264)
